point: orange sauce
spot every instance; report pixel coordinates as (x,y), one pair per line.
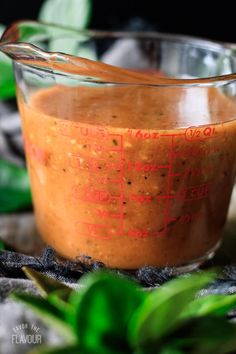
(131,176)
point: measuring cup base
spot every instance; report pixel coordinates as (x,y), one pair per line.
(189,267)
(175,269)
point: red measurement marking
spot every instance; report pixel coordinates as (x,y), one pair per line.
(93,195)
(195,192)
(186,218)
(107,215)
(172,135)
(142,134)
(122,175)
(93,147)
(96,230)
(67,129)
(171,156)
(98,148)
(100,231)
(141,233)
(189,218)
(195,151)
(200,134)
(79,162)
(197,172)
(114,166)
(144,167)
(141,198)
(93,165)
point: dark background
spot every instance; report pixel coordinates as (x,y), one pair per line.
(209,19)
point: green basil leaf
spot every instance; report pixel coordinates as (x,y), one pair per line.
(75,14)
(14,187)
(204,335)
(104,307)
(162,308)
(48,313)
(218,305)
(70,13)
(7,80)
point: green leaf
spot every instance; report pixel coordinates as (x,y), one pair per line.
(171,350)
(74,14)
(7,81)
(14,187)
(2,245)
(58,350)
(203,335)
(218,305)
(70,13)
(59,300)
(54,291)
(162,308)
(45,284)
(102,312)
(48,313)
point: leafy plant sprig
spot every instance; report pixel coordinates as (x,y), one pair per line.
(110,314)
(14,187)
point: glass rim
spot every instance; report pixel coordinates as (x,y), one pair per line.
(26,53)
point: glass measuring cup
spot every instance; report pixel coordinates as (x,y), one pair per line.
(132,164)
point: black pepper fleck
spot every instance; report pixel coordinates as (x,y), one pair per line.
(115,142)
(129,182)
(145,177)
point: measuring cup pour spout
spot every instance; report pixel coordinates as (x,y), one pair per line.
(33,44)
(46,47)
